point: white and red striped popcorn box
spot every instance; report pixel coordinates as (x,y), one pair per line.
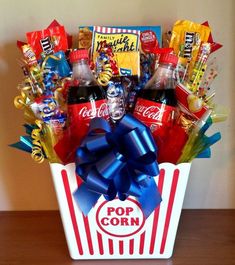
(117,229)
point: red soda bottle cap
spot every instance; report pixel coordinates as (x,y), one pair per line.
(78,55)
(169,58)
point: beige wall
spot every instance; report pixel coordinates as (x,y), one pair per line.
(25,185)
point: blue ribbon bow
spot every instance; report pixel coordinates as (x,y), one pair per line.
(118,163)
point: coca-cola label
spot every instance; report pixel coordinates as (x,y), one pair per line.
(153,114)
(84,112)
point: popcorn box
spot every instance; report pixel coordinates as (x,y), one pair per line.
(117,229)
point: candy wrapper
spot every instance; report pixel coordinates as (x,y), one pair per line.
(187,37)
(48,41)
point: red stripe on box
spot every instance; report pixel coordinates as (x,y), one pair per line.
(131,246)
(121,247)
(88,234)
(110,246)
(86,223)
(100,243)
(169,209)
(156,212)
(142,239)
(71,210)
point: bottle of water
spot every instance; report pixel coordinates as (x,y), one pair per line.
(116,101)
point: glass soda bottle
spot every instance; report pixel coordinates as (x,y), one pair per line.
(86,99)
(156,102)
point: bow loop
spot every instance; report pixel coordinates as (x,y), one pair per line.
(97,143)
(97,183)
(110,165)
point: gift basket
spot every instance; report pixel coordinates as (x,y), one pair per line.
(120,118)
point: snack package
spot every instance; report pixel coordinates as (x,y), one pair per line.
(120,40)
(29,55)
(187,37)
(186,40)
(148,35)
(128,63)
(32,71)
(48,41)
(85,37)
(55,23)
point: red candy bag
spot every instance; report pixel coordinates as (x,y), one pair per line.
(55,23)
(48,41)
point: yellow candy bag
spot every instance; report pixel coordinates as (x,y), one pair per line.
(186,39)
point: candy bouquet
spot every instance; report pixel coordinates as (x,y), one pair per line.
(119,116)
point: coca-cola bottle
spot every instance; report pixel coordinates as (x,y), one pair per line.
(156,102)
(86,99)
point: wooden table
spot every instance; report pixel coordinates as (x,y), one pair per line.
(205,237)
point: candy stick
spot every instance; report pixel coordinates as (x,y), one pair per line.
(197,80)
(210,75)
(199,67)
(185,72)
(209,98)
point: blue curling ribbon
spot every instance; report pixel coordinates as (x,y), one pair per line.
(25,143)
(118,163)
